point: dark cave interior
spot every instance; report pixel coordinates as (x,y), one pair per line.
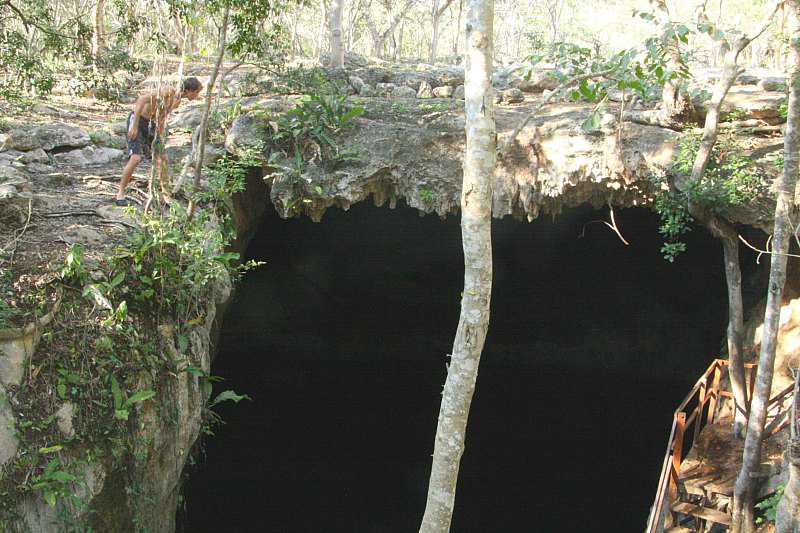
(341,341)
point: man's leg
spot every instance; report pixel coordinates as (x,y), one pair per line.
(127,173)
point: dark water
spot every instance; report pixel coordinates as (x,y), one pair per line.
(341,340)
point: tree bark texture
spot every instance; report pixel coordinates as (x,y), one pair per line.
(787,519)
(725,231)
(476,209)
(744,489)
(337,48)
(98,29)
(201,148)
(439,7)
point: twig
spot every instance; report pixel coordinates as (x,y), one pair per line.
(68,214)
(612,225)
(762,252)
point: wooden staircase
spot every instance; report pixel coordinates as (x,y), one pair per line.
(702,459)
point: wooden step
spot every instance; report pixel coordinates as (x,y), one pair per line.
(679,530)
(705,513)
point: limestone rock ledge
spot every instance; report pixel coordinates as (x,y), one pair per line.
(415,155)
(163,439)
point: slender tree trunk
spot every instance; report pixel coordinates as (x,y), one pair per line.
(787,518)
(337,49)
(201,145)
(98,29)
(744,489)
(725,231)
(458,28)
(476,217)
(435,35)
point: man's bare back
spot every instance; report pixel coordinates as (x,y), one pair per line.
(146,125)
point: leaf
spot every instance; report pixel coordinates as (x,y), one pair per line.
(229,395)
(50,498)
(121,414)
(116,393)
(63,477)
(51,449)
(119,278)
(139,397)
(62,390)
(592,123)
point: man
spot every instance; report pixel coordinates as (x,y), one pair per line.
(146,127)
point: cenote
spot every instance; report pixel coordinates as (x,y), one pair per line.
(341,340)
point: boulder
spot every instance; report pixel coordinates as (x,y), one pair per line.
(445,91)
(10,173)
(458,93)
(186,119)
(753,103)
(747,79)
(64,417)
(58,136)
(120,128)
(356,83)
(385,89)
(538,81)
(19,139)
(773,83)
(404,92)
(512,96)
(37,155)
(89,156)
(104,138)
(367,90)
(247,132)
(425,90)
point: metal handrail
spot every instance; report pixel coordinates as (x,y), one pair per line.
(708,394)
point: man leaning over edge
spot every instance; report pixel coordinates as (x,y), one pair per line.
(146,127)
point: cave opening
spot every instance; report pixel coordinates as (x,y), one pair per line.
(341,341)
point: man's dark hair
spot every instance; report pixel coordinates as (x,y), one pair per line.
(191,85)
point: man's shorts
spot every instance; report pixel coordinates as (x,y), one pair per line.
(142,143)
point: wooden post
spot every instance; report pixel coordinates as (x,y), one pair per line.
(701,403)
(712,403)
(677,455)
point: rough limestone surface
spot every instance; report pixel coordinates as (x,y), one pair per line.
(56,136)
(554,164)
(773,84)
(403,92)
(91,155)
(425,90)
(458,93)
(445,91)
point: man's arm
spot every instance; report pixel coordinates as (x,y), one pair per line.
(138,109)
(167,105)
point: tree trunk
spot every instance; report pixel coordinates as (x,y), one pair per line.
(723,230)
(730,242)
(745,490)
(201,145)
(98,30)
(787,519)
(676,106)
(458,28)
(337,50)
(476,217)
(435,36)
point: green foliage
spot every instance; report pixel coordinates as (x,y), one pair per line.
(427,196)
(730,180)
(307,131)
(768,507)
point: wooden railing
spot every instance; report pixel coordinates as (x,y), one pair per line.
(704,396)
